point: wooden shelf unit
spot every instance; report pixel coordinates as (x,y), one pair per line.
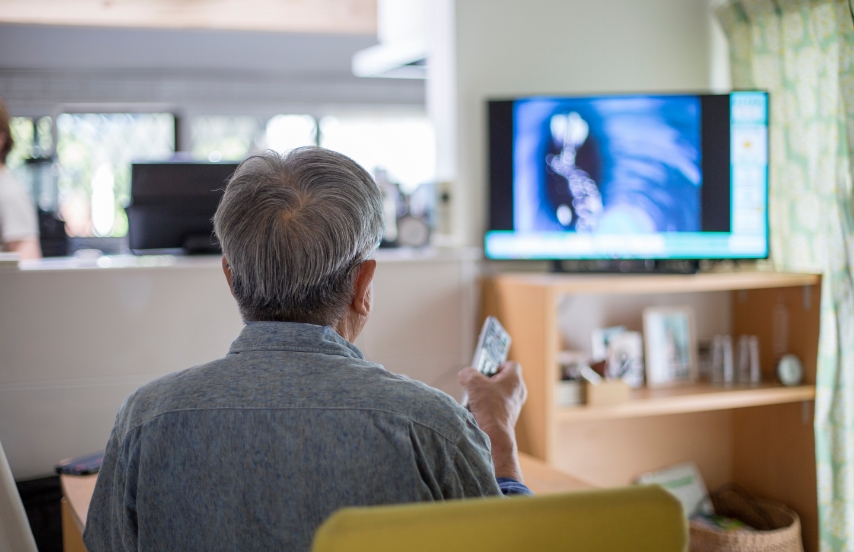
(690,398)
(759,437)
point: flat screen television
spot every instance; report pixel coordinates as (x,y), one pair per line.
(629,177)
(173,204)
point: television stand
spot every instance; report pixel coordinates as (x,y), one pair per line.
(626,266)
(760,437)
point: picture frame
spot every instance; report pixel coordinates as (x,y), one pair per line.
(600,338)
(625,358)
(670,343)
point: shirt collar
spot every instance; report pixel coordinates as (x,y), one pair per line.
(293,336)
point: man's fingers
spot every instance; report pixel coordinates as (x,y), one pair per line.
(467,375)
(508,369)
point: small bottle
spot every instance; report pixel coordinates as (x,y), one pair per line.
(743,374)
(728,371)
(755,373)
(717,366)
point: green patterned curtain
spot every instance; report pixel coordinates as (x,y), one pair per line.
(801,51)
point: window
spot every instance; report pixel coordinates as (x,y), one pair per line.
(225,137)
(286,132)
(95,151)
(401,145)
(33,137)
(22,135)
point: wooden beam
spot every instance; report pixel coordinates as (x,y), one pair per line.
(295,16)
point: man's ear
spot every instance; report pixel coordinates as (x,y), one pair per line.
(362,290)
(226,269)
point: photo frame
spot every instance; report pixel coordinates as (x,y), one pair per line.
(625,358)
(670,343)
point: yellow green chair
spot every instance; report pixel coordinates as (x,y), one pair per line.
(636,519)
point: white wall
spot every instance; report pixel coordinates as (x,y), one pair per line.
(509,47)
(424,321)
(75,342)
(719,68)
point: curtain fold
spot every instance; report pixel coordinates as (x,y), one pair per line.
(802,52)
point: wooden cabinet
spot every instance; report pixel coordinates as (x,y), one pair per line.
(759,437)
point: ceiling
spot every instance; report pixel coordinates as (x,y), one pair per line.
(42,47)
(43,67)
(200,68)
(303,16)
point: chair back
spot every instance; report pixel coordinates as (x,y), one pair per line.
(15,533)
(631,519)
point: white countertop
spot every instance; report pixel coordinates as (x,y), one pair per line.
(405,255)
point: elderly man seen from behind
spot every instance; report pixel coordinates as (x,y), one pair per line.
(255,450)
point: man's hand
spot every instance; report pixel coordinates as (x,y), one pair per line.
(496,403)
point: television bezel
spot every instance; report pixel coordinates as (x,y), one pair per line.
(493,159)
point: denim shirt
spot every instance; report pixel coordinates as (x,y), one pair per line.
(255,450)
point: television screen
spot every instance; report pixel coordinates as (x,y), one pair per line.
(172,204)
(629,177)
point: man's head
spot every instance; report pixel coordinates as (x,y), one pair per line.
(295,231)
(6,142)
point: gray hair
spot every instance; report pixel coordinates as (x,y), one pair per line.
(292,228)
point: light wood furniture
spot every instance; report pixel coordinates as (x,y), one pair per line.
(759,437)
(77,494)
(544,479)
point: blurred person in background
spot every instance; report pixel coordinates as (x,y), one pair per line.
(19,228)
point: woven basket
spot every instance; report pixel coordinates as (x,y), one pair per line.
(779,528)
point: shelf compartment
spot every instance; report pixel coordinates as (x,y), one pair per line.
(692,398)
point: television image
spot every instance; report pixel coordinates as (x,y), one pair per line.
(629,177)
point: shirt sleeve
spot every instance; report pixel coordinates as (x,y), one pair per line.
(18,219)
(473,468)
(111,523)
(511,487)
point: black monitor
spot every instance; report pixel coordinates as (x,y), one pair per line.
(172,204)
(655,176)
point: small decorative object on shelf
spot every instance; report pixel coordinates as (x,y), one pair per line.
(671,345)
(790,370)
(583,382)
(723,370)
(600,338)
(748,360)
(412,231)
(625,358)
(569,391)
(727,368)
(606,392)
(623,352)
